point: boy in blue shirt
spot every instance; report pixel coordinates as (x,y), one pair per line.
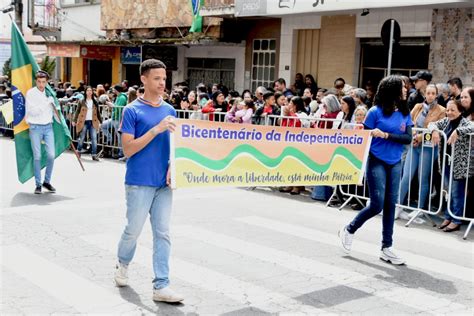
(145,127)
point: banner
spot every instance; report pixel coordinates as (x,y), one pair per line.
(207,153)
(130,55)
(283,7)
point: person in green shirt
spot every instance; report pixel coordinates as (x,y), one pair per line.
(116,117)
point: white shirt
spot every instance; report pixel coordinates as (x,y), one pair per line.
(340,116)
(38,107)
(89,110)
(305,122)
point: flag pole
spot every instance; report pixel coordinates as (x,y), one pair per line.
(72,144)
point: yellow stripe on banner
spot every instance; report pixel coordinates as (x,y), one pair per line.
(22,126)
(22,78)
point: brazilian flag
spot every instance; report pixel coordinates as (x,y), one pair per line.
(24,68)
(196,5)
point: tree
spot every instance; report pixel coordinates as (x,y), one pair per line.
(7,71)
(48,65)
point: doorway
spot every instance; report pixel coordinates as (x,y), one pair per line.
(100,72)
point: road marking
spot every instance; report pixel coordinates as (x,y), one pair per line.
(315,268)
(69,288)
(421,262)
(242,292)
(331,216)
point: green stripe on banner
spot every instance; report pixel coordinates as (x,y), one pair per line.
(221,164)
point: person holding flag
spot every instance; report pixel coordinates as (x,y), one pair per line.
(39,116)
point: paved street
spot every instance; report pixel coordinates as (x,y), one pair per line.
(234,252)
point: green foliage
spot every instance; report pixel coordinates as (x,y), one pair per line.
(7,71)
(48,65)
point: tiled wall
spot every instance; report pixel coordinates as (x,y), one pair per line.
(452,45)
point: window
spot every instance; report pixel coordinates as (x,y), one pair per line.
(410,56)
(263,63)
(211,70)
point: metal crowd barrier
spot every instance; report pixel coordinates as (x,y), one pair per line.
(107,135)
(350,187)
(468,203)
(3,124)
(306,122)
(361,192)
(426,149)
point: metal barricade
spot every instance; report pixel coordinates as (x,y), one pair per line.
(463,186)
(5,129)
(304,121)
(425,149)
(108,136)
(421,159)
(359,192)
(189,114)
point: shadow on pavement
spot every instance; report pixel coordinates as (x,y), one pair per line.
(411,278)
(332,296)
(23,198)
(129,294)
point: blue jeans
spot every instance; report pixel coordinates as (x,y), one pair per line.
(92,134)
(45,133)
(141,201)
(383,180)
(458,196)
(107,126)
(421,160)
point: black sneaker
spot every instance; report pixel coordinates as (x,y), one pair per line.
(95,158)
(38,190)
(49,187)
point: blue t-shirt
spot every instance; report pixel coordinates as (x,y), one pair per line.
(384,149)
(149,166)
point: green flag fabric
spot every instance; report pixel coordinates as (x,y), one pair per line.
(196,5)
(24,68)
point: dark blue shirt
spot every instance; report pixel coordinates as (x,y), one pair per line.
(384,149)
(149,166)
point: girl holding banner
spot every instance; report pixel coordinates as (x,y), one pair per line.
(391,127)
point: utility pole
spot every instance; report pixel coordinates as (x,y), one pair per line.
(18,14)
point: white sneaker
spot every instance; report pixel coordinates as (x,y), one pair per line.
(166,295)
(388,255)
(398,211)
(121,274)
(346,239)
(404,215)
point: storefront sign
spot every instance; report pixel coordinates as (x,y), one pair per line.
(282,7)
(63,50)
(167,54)
(97,52)
(130,55)
(255,155)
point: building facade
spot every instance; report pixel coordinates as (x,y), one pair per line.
(249,43)
(330,39)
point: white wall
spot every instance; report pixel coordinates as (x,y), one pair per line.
(81,23)
(234,52)
(288,41)
(413,22)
